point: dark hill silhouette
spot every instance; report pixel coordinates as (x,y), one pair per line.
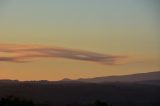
(155,76)
(66,79)
(118,93)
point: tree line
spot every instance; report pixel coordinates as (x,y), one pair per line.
(15,101)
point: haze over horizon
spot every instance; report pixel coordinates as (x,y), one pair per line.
(52,40)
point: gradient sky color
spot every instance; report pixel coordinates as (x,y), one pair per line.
(116,27)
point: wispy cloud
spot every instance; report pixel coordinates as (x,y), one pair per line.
(29,53)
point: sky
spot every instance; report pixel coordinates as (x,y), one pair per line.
(56,39)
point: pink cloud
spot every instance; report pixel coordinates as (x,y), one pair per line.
(28,53)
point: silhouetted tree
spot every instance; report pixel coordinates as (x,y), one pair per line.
(13,101)
(100,103)
(96,103)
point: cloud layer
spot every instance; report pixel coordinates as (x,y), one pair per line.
(28,53)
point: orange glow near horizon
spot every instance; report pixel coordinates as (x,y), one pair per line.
(52,40)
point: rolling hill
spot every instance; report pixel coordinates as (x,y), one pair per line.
(128,90)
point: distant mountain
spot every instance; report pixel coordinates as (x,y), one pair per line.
(127,90)
(5,81)
(146,78)
(66,79)
(151,77)
(140,77)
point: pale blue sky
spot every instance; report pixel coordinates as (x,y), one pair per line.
(120,27)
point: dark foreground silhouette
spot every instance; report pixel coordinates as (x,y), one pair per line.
(60,94)
(14,101)
(131,90)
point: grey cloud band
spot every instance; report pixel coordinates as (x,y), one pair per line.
(27,53)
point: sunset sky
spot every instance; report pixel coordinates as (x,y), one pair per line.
(56,39)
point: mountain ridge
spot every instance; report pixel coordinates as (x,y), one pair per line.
(148,76)
(124,78)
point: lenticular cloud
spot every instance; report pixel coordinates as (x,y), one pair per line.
(29,53)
